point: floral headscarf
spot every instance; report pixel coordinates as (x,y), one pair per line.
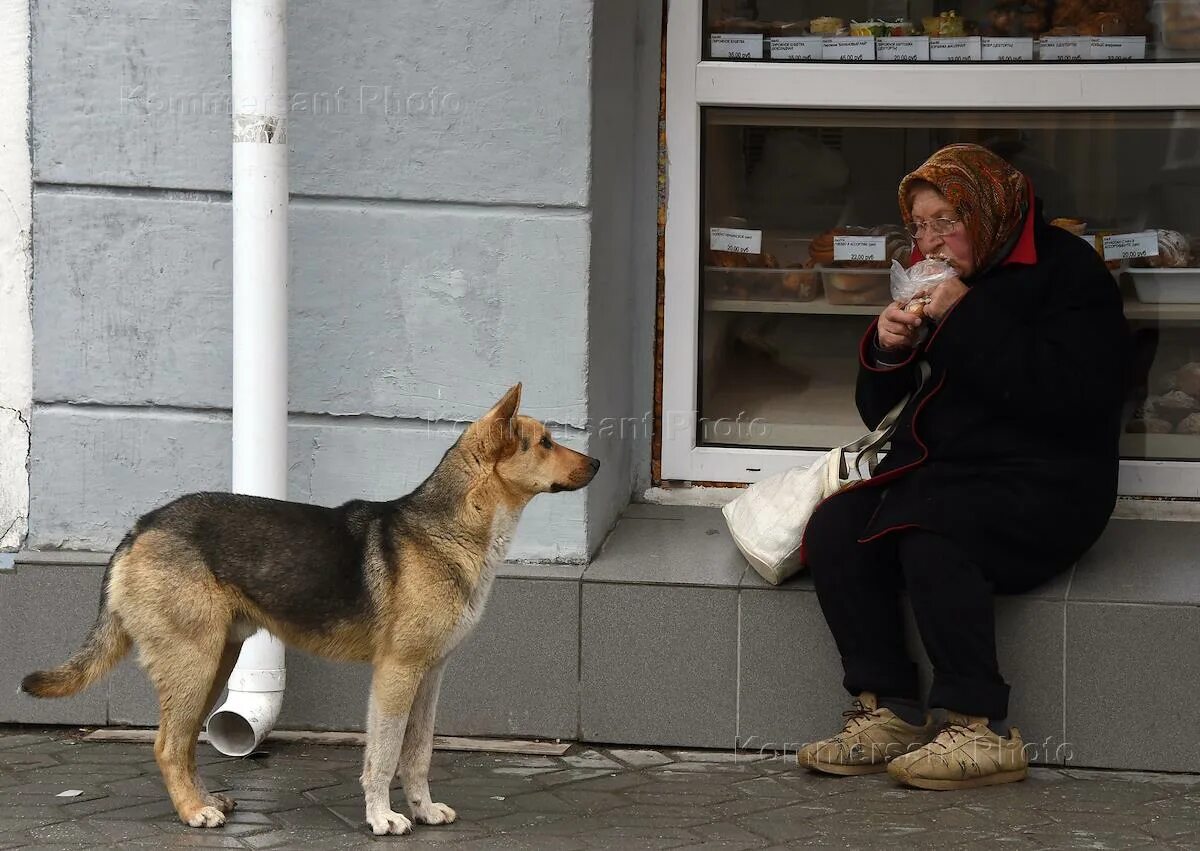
(990,195)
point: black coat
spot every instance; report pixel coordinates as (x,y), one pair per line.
(1011,447)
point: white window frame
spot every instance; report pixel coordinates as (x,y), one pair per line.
(693,83)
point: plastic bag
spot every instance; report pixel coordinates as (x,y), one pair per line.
(924,275)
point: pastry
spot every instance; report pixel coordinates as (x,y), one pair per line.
(1175,405)
(1187,379)
(801,284)
(1104,23)
(1181,24)
(1189,424)
(1075,226)
(788,29)
(1174,252)
(736,260)
(917,305)
(827,26)
(1083,15)
(1017,19)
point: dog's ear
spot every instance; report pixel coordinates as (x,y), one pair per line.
(498,422)
(506,408)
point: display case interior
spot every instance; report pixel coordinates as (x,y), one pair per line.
(800,222)
(979,30)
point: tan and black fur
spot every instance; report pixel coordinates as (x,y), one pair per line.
(398,584)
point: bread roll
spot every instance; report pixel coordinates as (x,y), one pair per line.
(1189,425)
(1187,379)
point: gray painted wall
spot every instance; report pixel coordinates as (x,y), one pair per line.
(458,223)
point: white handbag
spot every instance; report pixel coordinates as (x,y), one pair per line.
(768,519)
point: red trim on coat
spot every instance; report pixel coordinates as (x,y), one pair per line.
(889,476)
(865,343)
(889,530)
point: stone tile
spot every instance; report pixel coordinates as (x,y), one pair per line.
(19,740)
(1141,561)
(669,546)
(801,581)
(790,673)
(518,672)
(540,570)
(619,836)
(36,635)
(1131,695)
(590,759)
(658,664)
(639,758)
(515,843)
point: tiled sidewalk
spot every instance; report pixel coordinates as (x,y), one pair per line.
(307,796)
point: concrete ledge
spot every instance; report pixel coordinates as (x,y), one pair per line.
(669,639)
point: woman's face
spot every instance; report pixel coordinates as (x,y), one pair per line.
(953,247)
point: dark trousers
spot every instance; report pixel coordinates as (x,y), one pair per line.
(859,588)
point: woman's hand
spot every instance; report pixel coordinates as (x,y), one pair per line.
(943,297)
(897,329)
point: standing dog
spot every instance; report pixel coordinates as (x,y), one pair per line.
(396,583)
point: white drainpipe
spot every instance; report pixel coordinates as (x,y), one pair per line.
(260,273)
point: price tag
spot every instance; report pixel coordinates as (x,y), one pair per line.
(858,248)
(842,49)
(963,49)
(1007,49)
(796,48)
(902,48)
(735,240)
(1118,47)
(1122,246)
(738,46)
(1063,48)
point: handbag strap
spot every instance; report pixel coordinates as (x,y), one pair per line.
(869,445)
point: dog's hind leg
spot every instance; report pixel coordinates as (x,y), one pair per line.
(184,672)
(393,689)
(229,657)
(417,751)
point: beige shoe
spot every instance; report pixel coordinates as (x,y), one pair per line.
(871,737)
(965,754)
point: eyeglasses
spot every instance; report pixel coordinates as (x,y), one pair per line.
(939,226)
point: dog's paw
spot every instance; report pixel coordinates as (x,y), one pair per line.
(206,817)
(434,814)
(224,803)
(385,821)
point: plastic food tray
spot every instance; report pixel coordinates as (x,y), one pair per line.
(1166,286)
(857,286)
(791,283)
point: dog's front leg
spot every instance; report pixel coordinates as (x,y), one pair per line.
(392,691)
(417,752)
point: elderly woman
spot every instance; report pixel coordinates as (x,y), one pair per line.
(1002,471)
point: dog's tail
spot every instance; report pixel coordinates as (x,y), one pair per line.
(104,647)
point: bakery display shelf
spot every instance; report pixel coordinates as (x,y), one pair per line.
(755,401)
(817,306)
(935,119)
(1163,312)
(1161,447)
